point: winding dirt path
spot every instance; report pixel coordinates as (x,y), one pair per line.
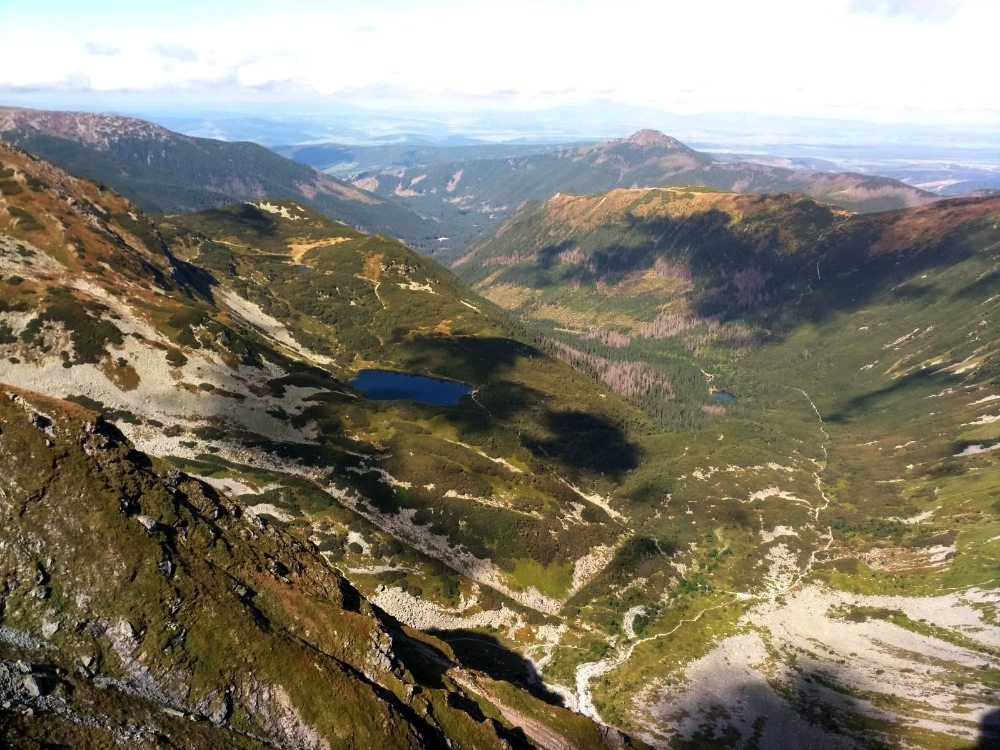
(588,671)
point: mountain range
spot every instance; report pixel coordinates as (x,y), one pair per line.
(468,197)
(161,171)
(724,474)
(437,199)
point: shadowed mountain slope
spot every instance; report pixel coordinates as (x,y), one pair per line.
(743,256)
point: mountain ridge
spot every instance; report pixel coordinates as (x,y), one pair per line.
(166,172)
(437,209)
(470,197)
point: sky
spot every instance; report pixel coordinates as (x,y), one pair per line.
(886,61)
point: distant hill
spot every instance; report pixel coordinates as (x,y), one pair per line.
(347,161)
(166,172)
(469,197)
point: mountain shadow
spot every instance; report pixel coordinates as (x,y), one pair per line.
(753,714)
(984,286)
(194,279)
(548,256)
(473,359)
(989,731)
(485,653)
(902,387)
(586,442)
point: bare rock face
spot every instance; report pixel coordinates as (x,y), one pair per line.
(35,685)
(148,522)
(124,629)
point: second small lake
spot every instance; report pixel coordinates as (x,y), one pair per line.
(386,385)
(723,396)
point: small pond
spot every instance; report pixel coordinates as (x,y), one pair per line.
(386,385)
(723,396)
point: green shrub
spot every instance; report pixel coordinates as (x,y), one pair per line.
(176,357)
(389,577)
(209,432)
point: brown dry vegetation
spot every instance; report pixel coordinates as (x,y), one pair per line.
(925,226)
(119,372)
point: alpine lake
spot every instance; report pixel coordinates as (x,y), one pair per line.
(387,385)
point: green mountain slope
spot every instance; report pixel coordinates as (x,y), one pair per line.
(141,606)
(808,562)
(832,377)
(165,172)
(101,309)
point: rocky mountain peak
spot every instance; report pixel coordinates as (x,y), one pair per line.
(648,137)
(97,130)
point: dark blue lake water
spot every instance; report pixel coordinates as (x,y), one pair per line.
(722,396)
(385,385)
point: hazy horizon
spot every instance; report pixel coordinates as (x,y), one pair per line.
(908,63)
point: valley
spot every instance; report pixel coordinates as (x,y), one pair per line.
(840,472)
(724,477)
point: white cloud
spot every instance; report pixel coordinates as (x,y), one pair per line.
(882,59)
(933,11)
(176,52)
(96,48)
